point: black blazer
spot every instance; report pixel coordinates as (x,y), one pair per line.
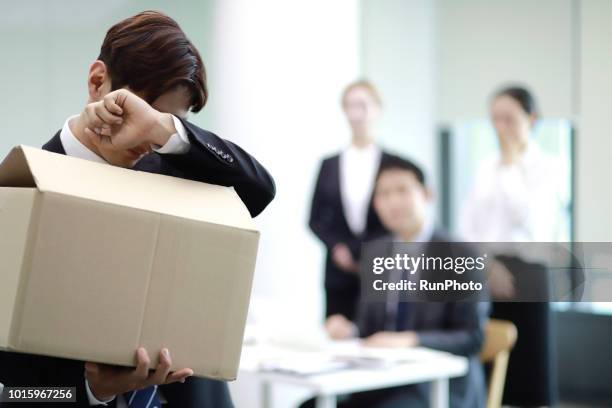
(454,327)
(212,160)
(328,221)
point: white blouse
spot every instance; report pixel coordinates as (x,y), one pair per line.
(358,168)
(515,203)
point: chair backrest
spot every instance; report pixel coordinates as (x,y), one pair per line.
(500,336)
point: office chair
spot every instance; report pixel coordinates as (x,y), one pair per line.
(500,337)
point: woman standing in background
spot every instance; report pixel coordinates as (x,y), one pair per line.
(516,199)
(341,214)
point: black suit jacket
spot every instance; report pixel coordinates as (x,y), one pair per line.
(454,327)
(328,221)
(211,160)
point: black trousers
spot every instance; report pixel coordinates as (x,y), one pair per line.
(531,377)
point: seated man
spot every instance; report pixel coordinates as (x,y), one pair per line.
(401,200)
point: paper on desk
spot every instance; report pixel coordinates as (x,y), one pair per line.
(354,351)
(339,355)
(304,364)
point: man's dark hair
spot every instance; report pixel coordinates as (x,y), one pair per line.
(151,55)
(521,95)
(393,162)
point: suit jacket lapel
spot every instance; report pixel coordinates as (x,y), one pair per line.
(371,217)
(55,144)
(336,178)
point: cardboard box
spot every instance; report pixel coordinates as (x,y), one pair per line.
(96,260)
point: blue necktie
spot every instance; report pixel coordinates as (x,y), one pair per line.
(402,311)
(400,318)
(144,398)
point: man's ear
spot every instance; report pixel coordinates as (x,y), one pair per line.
(98,81)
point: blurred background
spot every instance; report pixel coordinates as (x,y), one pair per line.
(276,71)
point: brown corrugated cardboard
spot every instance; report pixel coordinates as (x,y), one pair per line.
(97,260)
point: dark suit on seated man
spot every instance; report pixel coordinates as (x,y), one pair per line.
(401,199)
(147,78)
(452,326)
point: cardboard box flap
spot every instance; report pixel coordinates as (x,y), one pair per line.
(14,170)
(50,172)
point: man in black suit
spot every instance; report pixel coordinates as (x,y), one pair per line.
(401,201)
(147,78)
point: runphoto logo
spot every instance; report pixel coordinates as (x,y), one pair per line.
(412,264)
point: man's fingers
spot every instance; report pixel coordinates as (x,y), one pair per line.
(91,117)
(106,116)
(106,131)
(120,96)
(111,105)
(142,364)
(163,368)
(92,367)
(98,135)
(92,133)
(179,375)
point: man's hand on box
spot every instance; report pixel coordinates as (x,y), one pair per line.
(106,381)
(125,121)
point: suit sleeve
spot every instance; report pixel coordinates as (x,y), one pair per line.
(71,373)
(322,213)
(29,370)
(366,321)
(464,334)
(214,160)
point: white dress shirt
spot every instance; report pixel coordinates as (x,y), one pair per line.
(515,203)
(358,168)
(177,144)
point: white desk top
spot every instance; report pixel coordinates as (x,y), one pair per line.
(406,366)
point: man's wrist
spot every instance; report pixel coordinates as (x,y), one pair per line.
(162,130)
(93,399)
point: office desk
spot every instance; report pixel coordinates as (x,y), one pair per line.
(434,366)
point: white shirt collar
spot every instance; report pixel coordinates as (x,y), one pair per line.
(426,232)
(371,149)
(424,235)
(531,154)
(74,147)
